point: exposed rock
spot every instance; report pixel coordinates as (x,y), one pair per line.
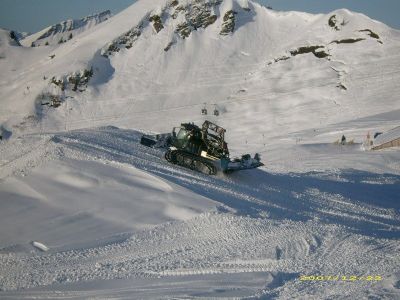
(17,36)
(183,30)
(157,23)
(320,53)
(348,41)
(14,37)
(316,50)
(228,26)
(75,82)
(332,22)
(168,46)
(200,16)
(124,41)
(278,59)
(80,79)
(50,100)
(58,82)
(197,15)
(370,33)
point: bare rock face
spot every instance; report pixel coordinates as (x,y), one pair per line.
(229,23)
(124,41)
(197,15)
(192,16)
(157,23)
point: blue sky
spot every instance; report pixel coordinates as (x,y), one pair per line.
(34,15)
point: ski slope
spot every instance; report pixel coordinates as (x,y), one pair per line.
(88,212)
(110,209)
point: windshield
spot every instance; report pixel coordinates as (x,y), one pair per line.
(182,134)
(181,137)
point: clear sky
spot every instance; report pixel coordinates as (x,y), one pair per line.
(34,15)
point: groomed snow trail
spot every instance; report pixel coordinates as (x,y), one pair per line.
(279,225)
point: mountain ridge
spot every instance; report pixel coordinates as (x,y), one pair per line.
(64,31)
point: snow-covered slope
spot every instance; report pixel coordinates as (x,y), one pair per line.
(172,65)
(89,212)
(121,222)
(64,31)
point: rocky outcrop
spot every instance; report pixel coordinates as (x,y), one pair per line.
(335,23)
(316,50)
(124,41)
(228,26)
(348,41)
(157,23)
(192,16)
(197,15)
(77,81)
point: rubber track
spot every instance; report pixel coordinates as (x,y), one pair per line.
(180,157)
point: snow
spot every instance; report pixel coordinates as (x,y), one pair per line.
(118,221)
(75,200)
(110,209)
(40,246)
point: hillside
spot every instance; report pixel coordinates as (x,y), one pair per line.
(89,212)
(240,72)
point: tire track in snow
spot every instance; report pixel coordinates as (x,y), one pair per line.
(208,244)
(212,243)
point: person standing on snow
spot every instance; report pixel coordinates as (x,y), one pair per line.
(343,139)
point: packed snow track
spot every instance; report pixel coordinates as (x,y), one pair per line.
(248,234)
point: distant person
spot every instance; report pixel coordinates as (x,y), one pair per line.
(343,139)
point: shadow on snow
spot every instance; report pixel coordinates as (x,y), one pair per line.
(363,202)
